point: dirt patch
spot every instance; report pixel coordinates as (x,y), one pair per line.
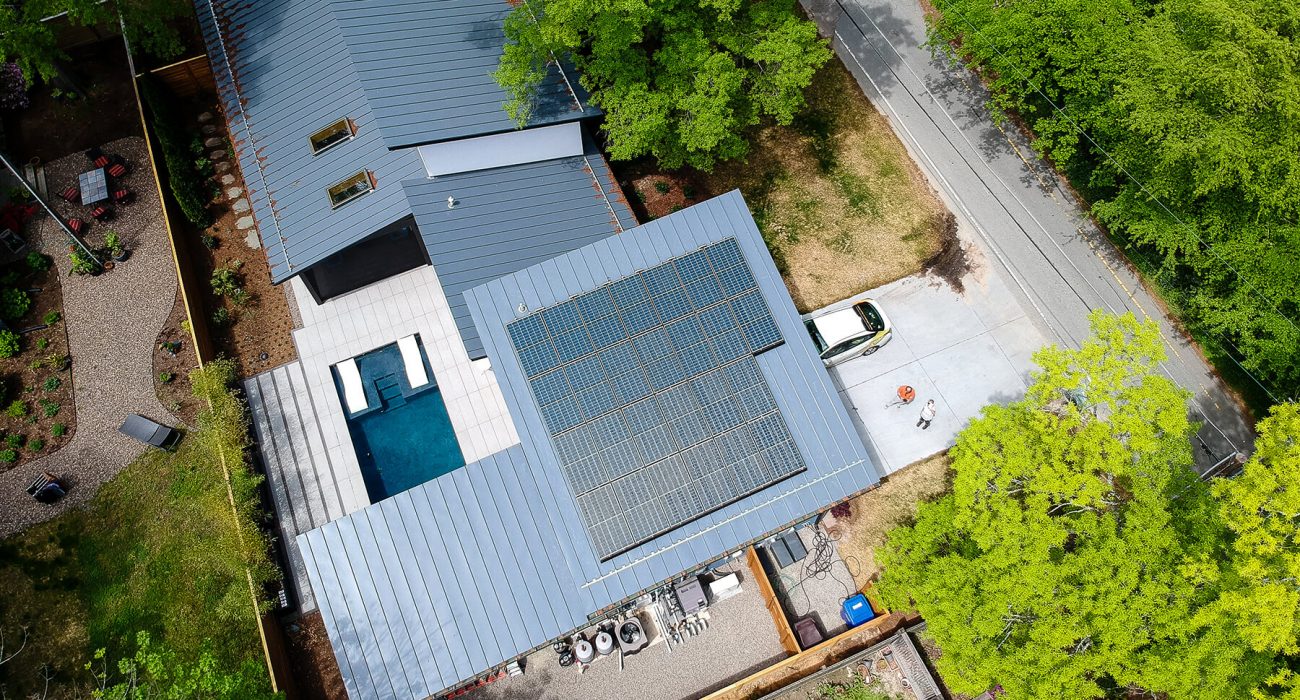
(173,360)
(950,264)
(35,386)
(315,671)
(52,127)
(255,329)
(873,514)
(840,204)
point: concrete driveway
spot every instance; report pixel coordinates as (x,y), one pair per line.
(964,350)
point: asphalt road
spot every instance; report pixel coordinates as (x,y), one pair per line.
(1060,265)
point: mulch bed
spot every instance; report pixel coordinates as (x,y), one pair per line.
(23,378)
(175,393)
(259,334)
(315,670)
(52,128)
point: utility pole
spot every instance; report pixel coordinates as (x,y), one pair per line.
(78,240)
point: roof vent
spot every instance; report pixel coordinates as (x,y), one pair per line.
(522,308)
(451,202)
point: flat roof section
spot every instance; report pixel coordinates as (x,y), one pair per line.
(437,585)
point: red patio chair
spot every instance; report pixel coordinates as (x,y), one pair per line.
(102,161)
(101,213)
(123,196)
(71,195)
(76,225)
(117,170)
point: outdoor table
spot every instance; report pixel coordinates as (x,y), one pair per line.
(94,186)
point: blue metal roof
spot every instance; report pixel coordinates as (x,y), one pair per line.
(426,68)
(282,73)
(484,564)
(507,219)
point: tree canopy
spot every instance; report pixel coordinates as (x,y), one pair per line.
(31,43)
(1078,552)
(680,80)
(1197,103)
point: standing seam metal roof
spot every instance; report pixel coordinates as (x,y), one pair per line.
(490,561)
(286,68)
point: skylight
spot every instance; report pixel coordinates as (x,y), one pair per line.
(331,136)
(350,189)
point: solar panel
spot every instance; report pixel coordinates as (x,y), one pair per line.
(655,405)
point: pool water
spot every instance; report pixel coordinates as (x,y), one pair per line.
(405,438)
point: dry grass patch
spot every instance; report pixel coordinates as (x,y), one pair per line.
(893,503)
(838,199)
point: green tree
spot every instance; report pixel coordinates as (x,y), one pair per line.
(1196,105)
(30,42)
(679,80)
(1262,508)
(155,671)
(1076,551)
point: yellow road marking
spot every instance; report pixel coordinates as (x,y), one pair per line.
(1132,297)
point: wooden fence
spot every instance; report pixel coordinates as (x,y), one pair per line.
(188,78)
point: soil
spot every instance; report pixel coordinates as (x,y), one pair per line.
(52,128)
(259,334)
(23,377)
(176,393)
(951,263)
(873,514)
(315,671)
(841,205)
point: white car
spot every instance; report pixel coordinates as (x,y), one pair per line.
(842,335)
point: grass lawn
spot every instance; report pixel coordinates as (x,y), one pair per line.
(839,201)
(893,503)
(157,550)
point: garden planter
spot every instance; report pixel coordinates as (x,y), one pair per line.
(122,255)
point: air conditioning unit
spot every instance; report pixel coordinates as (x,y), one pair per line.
(631,635)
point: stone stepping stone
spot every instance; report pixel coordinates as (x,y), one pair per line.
(234,192)
(240,206)
(218,154)
(244,223)
(205,117)
(209,128)
(223,167)
(252,240)
(227,179)
(212,142)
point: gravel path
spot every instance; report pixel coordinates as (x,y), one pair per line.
(113,321)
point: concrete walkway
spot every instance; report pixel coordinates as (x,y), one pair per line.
(964,350)
(112,321)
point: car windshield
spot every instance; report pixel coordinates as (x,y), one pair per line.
(870,317)
(816,335)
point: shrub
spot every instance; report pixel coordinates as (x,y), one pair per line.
(225,280)
(662,187)
(14,303)
(36,444)
(39,262)
(209,241)
(688,191)
(52,383)
(13,87)
(165,377)
(8,456)
(15,440)
(50,408)
(186,326)
(58,430)
(42,344)
(220,317)
(113,243)
(842,510)
(10,343)
(16,409)
(187,184)
(52,317)
(83,264)
(10,278)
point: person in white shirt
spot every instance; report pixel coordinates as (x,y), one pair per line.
(927,415)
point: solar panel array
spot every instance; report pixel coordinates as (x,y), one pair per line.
(655,405)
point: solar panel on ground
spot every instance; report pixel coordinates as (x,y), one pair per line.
(652,397)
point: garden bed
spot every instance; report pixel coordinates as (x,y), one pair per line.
(38,413)
(315,670)
(840,203)
(173,360)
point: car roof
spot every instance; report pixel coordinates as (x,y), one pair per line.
(838,326)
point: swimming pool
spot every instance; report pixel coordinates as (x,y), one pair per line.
(405,438)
